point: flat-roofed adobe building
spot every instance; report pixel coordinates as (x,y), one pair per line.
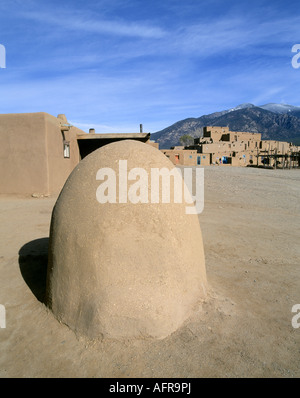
(38,151)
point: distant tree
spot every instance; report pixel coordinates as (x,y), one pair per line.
(186,140)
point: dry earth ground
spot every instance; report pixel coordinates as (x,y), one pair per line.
(251,230)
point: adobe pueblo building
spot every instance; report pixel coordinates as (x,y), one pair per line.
(38,151)
(122,269)
(220,146)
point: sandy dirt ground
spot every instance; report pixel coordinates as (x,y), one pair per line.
(251,231)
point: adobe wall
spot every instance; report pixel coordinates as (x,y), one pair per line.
(241,159)
(189,158)
(215,132)
(244,136)
(216,147)
(60,167)
(32,153)
(182,156)
(23,155)
(280,146)
(238,146)
(205,159)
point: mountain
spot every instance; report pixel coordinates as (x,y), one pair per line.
(275,122)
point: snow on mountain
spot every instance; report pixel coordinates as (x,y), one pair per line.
(279,108)
(242,106)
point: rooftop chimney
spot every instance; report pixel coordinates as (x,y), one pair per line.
(92,131)
(141,128)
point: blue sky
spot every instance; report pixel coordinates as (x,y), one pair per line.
(112,64)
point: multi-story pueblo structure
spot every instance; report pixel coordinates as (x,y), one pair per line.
(220,146)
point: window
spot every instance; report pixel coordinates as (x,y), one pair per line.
(66,149)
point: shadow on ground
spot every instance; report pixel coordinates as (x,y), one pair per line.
(33,257)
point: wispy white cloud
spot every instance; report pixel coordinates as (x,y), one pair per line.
(266,95)
(229,34)
(88,24)
(234,34)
